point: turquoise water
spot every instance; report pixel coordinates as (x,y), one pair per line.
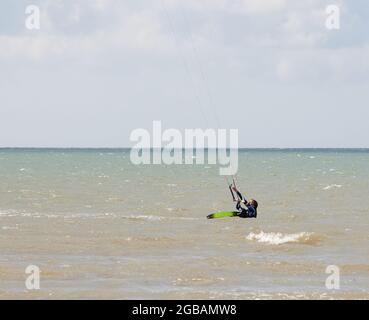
(101,227)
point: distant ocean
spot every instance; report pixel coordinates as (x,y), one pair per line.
(100,227)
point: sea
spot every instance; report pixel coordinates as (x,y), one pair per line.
(97,226)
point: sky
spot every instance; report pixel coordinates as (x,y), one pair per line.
(96,70)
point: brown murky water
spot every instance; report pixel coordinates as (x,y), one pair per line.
(99,227)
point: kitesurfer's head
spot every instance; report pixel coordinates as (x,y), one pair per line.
(253,203)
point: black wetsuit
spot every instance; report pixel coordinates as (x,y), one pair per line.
(248,212)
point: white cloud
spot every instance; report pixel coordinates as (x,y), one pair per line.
(230,6)
(98,55)
(293,40)
(257,6)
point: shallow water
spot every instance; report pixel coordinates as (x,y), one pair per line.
(100,227)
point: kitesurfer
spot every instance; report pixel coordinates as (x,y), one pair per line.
(246,208)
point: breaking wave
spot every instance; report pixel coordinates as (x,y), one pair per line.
(277,238)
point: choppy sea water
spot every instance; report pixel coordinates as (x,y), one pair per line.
(100,227)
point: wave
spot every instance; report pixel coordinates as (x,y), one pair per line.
(149,239)
(91,215)
(331,186)
(143,217)
(9,227)
(8,213)
(155,218)
(278,238)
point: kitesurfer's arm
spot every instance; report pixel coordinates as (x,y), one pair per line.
(239,195)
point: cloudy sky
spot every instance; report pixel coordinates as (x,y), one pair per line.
(98,69)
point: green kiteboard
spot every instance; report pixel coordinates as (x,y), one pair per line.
(222,214)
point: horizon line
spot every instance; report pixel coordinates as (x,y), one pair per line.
(241,148)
